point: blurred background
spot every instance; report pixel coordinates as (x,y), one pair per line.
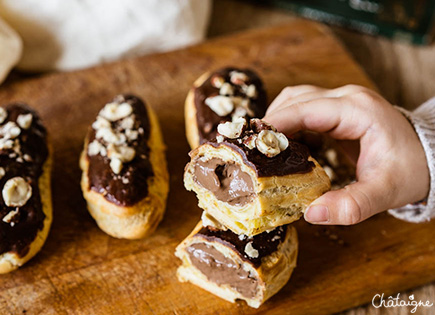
(391,39)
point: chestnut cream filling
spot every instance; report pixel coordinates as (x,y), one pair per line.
(222,270)
(225,180)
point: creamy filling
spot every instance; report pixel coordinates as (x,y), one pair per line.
(222,270)
(225,180)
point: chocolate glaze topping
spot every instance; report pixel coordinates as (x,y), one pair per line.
(25,160)
(294,159)
(207,119)
(130,185)
(319,145)
(265,243)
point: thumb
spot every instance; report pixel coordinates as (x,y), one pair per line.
(350,205)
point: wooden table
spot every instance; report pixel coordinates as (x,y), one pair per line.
(404,74)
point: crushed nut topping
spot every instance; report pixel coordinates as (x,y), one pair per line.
(116,165)
(232,129)
(121,152)
(10,216)
(101,123)
(329,171)
(275,238)
(6,144)
(260,135)
(238,78)
(221,105)
(271,143)
(25,121)
(258,125)
(331,156)
(226,89)
(114,130)
(3,115)
(249,141)
(219,138)
(10,133)
(234,96)
(10,130)
(115,111)
(95,148)
(251,251)
(217,81)
(16,192)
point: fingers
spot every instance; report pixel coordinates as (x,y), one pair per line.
(328,115)
(350,205)
(303,93)
(291,92)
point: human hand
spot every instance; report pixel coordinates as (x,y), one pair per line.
(391,169)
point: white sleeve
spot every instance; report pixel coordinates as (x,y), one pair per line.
(423,120)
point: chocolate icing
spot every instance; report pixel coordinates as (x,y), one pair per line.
(225,180)
(265,243)
(318,144)
(131,185)
(207,119)
(222,270)
(292,160)
(17,235)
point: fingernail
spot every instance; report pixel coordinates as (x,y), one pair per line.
(317,214)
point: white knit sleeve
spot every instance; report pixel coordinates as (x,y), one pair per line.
(423,120)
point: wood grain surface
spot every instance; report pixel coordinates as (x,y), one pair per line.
(81,270)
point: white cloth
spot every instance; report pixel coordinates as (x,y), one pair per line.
(10,49)
(423,120)
(72,34)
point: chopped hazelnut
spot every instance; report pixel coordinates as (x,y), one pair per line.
(251,251)
(25,121)
(115,111)
(329,172)
(217,81)
(232,129)
(258,125)
(251,91)
(116,165)
(10,130)
(238,78)
(271,143)
(226,89)
(331,156)
(127,122)
(249,142)
(123,153)
(221,105)
(16,192)
(95,148)
(10,216)
(219,138)
(6,144)
(101,123)
(3,115)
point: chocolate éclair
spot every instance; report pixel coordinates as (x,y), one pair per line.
(238,267)
(25,202)
(125,178)
(252,178)
(220,96)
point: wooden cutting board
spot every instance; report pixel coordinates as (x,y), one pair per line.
(81,270)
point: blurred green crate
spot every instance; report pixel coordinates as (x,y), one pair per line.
(411,21)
